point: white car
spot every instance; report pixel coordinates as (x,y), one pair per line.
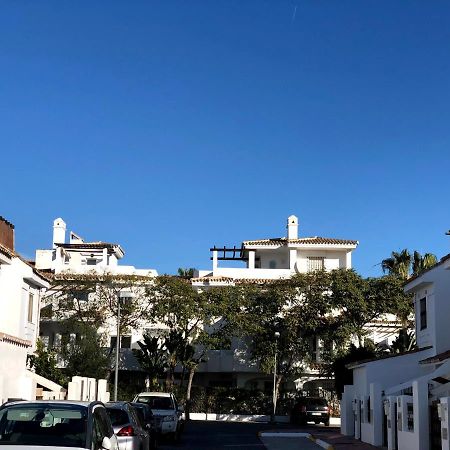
(56,425)
(168,415)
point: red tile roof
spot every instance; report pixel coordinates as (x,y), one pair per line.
(315,240)
(4,337)
(436,358)
(6,251)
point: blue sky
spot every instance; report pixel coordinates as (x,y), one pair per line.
(170,126)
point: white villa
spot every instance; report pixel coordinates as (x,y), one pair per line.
(269,259)
(402,402)
(78,257)
(265,260)
(21,290)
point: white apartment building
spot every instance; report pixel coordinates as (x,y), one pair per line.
(21,290)
(271,259)
(276,258)
(80,257)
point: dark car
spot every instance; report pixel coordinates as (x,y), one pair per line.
(310,409)
(146,415)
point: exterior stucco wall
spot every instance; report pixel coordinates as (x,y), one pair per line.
(279,257)
(389,372)
(433,285)
(13,380)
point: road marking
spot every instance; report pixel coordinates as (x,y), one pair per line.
(243,445)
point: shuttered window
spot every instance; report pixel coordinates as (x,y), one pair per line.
(315,263)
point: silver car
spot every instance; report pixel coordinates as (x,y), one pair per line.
(55,425)
(129,430)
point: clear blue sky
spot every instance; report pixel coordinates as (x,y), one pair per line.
(170,126)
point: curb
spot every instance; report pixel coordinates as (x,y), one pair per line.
(322,444)
(283,434)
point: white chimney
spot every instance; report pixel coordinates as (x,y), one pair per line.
(59,232)
(292,227)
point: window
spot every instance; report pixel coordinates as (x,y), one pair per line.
(315,263)
(125,341)
(410,416)
(91,262)
(423,313)
(30,307)
(272,264)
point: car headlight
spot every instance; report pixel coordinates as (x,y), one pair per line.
(169,419)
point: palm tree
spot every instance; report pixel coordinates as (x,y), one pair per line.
(424,262)
(398,264)
(186,273)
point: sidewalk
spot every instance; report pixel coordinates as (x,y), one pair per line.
(340,442)
(327,439)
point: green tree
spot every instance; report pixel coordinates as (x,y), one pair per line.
(152,358)
(399,264)
(45,363)
(344,375)
(92,298)
(300,311)
(420,263)
(182,310)
(84,351)
(187,273)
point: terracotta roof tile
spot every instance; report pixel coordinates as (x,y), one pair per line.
(436,358)
(306,240)
(6,251)
(4,337)
(213,279)
(89,245)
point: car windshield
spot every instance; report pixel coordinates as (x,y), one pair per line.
(318,401)
(43,425)
(118,416)
(156,402)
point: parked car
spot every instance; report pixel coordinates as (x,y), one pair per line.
(146,415)
(56,425)
(310,409)
(130,432)
(169,416)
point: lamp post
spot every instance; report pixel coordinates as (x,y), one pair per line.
(120,296)
(276,335)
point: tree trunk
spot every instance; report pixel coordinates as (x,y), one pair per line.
(188,392)
(277,386)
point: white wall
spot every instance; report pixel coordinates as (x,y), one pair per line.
(435,286)
(17,282)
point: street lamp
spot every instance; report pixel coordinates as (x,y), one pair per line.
(276,335)
(120,296)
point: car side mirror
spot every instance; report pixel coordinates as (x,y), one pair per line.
(106,443)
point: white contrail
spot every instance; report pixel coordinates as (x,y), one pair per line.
(295,12)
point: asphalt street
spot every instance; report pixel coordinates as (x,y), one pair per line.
(199,435)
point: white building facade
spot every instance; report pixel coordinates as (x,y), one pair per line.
(271,259)
(74,256)
(21,290)
(265,260)
(402,402)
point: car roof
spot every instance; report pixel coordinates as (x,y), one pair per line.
(155,394)
(53,402)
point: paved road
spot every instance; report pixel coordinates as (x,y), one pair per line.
(200,435)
